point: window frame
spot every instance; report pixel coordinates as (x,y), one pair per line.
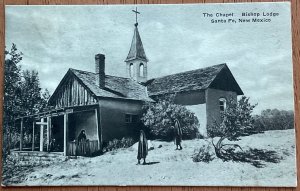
(222,104)
(131,118)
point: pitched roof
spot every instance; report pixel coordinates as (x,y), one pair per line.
(115,87)
(136,50)
(199,79)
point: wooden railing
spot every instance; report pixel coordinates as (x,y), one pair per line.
(82,148)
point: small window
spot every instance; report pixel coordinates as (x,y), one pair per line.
(141,69)
(131,70)
(222,104)
(131,118)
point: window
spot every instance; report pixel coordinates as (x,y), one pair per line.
(141,69)
(129,118)
(131,70)
(222,104)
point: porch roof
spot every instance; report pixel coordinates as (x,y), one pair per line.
(52,112)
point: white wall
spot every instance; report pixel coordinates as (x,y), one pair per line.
(200,112)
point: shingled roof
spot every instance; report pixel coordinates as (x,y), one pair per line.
(136,50)
(115,87)
(199,79)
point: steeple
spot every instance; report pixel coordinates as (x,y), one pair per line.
(136,50)
(136,61)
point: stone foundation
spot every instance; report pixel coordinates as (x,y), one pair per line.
(37,158)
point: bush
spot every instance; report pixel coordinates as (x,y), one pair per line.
(203,154)
(274,119)
(117,144)
(236,120)
(159,118)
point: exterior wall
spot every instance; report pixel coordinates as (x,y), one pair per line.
(195,102)
(190,98)
(136,70)
(72,93)
(83,120)
(212,103)
(112,120)
(200,113)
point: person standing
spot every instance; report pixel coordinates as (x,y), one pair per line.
(82,136)
(81,143)
(178,135)
(142,147)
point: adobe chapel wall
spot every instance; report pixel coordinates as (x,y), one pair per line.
(190,98)
(195,102)
(213,106)
(113,118)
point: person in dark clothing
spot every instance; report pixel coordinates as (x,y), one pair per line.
(81,144)
(52,145)
(177,135)
(142,148)
(82,136)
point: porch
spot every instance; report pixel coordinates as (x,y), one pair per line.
(56,131)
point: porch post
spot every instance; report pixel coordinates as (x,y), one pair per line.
(97,126)
(48,132)
(66,129)
(42,136)
(21,135)
(33,142)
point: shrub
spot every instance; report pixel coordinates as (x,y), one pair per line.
(237,121)
(203,154)
(117,144)
(159,118)
(274,119)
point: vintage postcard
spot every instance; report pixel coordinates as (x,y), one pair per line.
(186,94)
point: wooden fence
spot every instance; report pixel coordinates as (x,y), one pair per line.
(83,148)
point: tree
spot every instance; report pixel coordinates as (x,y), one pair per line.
(12,89)
(22,96)
(31,92)
(159,118)
(45,98)
(33,100)
(237,121)
(274,119)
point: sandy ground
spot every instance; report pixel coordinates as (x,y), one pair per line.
(173,167)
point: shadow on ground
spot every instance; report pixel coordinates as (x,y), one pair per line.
(151,163)
(256,157)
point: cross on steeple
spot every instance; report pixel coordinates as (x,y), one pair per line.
(136,13)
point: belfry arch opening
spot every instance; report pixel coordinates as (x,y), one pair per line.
(142,69)
(131,70)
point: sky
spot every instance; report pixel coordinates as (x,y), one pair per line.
(176,38)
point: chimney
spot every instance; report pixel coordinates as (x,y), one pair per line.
(100,69)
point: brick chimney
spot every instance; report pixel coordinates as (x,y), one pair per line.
(100,69)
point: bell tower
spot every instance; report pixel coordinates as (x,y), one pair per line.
(136,61)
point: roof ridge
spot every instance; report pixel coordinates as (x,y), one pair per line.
(188,71)
(118,76)
(81,70)
(95,73)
